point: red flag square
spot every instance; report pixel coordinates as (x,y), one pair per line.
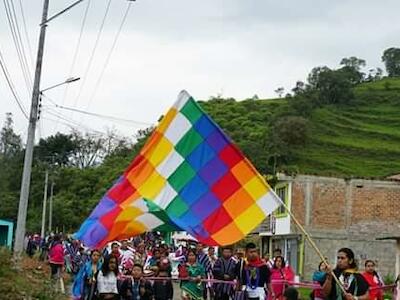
(226,187)
(217,220)
(121,191)
(108,219)
(231,155)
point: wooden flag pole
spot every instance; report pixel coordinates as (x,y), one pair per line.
(310,240)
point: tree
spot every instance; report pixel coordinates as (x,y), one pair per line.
(90,149)
(285,135)
(352,69)
(334,88)
(10,142)
(57,149)
(351,75)
(11,161)
(315,74)
(280,91)
(302,106)
(292,131)
(300,88)
(391,58)
(374,74)
(353,62)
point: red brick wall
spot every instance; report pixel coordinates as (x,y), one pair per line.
(328,206)
(375,204)
(332,201)
(298,204)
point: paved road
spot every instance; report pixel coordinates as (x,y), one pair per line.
(177,291)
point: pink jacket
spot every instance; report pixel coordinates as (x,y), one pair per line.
(278,275)
(56,254)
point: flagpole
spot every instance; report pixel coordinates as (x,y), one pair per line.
(310,240)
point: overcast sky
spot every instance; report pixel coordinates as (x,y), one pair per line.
(237,48)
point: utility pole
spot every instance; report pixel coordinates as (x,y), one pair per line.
(42,233)
(51,205)
(26,175)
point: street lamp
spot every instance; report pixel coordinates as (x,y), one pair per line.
(69,80)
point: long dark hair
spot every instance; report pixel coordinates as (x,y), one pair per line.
(282,260)
(105,268)
(350,255)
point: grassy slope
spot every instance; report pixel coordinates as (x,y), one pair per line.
(361,140)
(30,282)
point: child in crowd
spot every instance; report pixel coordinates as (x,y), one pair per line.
(163,289)
(134,286)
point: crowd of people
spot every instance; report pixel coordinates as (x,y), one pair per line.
(144,268)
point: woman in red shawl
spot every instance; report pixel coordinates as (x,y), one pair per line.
(280,273)
(374,281)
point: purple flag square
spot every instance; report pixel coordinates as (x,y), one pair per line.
(199,231)
(205,206)
(104,206)
(213,171)
(217,141)
(94,234)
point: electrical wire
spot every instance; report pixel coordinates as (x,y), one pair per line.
(72,122)
(104,116)
(77,48)
(26,33)
(113,118)
(11,86)
(88,66)
(14,15)
(16,36)
(76,52)
(66,124)
(107,61)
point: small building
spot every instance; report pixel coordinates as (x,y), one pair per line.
(6,233)
(336,213)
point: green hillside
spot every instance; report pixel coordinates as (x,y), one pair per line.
(357,140)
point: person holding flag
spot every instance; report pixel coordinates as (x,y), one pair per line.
(353,283)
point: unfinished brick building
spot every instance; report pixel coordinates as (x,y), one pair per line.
(337,213)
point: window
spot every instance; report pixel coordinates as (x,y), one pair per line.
(282,191)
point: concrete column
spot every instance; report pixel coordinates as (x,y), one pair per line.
(397,271)
(308,203)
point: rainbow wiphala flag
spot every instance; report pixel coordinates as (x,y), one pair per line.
(189,176)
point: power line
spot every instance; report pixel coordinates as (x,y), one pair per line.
(72,122)
(93,52)
(77,48)
(21,41)
(11,86)
(97,115)
(109,55)
(61,122)
(26,32)
(16,36)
